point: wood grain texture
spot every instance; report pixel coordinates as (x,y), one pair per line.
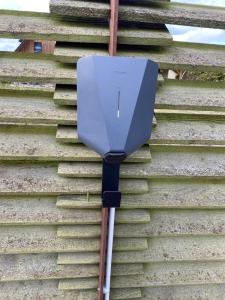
(163,223)
(23,267)
(21,25)
(180,55)
(39,144)
(172,94)
(172,13)
(158,275)
(42,179)
(163,249)
(43,239)
(193,163)
(48,289)
(167,193)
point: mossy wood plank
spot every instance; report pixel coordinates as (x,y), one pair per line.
(22,267)
(193,163)
(167,193)
(188,132)
(40,68)
(27,90)
(48,289)
(33,239)
(187,292)
(36,144)
(93,170)
(158,275)
(162,249)
(196,95)
(180,55)
(168,131)
(68,135)
(43,211)
(42,179)
(18,108)
(34,110)
(173,13)
(22,26)
(177,94)
(163,223)
(174,274)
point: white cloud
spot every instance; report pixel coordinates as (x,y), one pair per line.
(203,2)
(202,35)
(8,44)
(197,35)
(28,5)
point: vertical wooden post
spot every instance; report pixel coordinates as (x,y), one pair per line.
(113,28)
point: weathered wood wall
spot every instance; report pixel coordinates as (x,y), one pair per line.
(170,230)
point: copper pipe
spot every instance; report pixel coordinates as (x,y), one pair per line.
(113,28)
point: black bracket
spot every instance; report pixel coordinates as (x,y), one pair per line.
(111,196)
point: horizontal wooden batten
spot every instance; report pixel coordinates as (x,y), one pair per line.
(185,292)
(43,239)
(18,267)
(171,13)
(158,275)
(193,163)
(48,289)
(169,131)
(180,193)
(42,179)
(172,94)
(163,223)
(29,26)
(37,68)
(43,211)
(163,249)
(40,144)
(180,55)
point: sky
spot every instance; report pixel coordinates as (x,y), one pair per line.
(179,33)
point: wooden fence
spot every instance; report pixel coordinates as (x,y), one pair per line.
(170,230)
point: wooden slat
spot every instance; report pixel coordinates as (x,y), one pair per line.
(31,179)
(27,90)
(169,193)
(181,55)
(43,211)
(33,110)
(48,289)
(163,223)
(40,144)
(202,291)
(173,94)
(158,275)
(93,170)
(33,239)
(44,267)
(164,249)
(25,25)
(173,13)
(196,95)
(36,68)
(166,162)
(169,131)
